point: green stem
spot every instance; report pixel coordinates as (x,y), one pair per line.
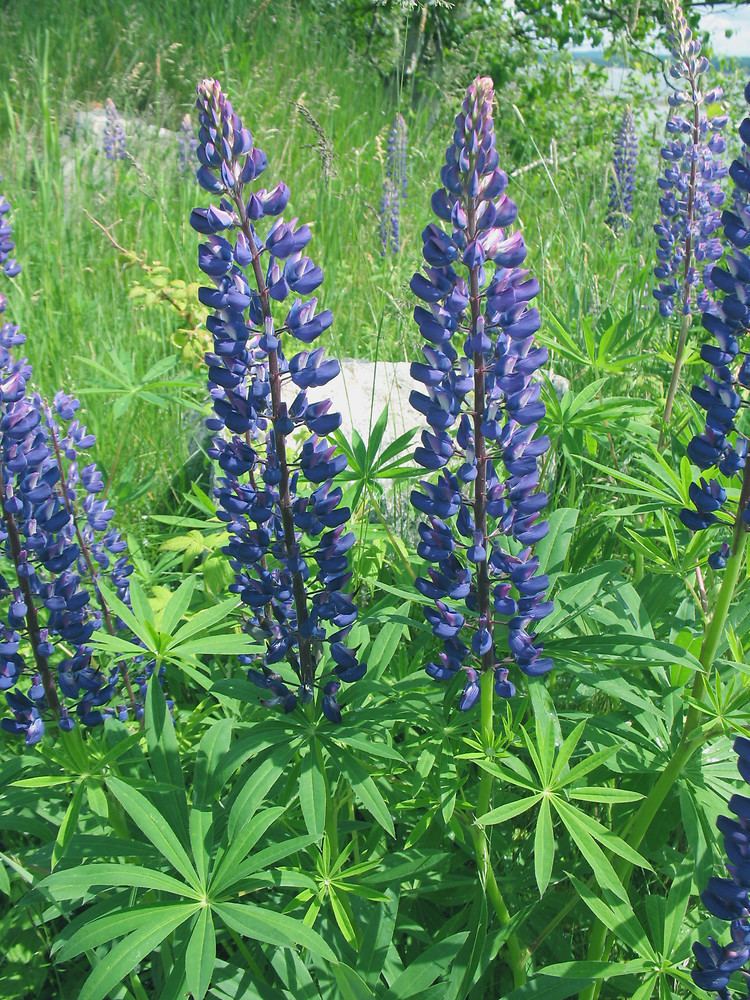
(691,741)
(679,361)
(480,837)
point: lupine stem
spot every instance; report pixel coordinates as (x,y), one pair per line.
(480,837)
(692,739)
(32,621)
(679,360)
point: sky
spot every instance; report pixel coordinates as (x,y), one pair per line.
(736,19)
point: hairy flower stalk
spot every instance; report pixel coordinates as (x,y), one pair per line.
(691,193)
(288,546)
(482,406)
(114,141)
(51,540)
(622,181)
(724,447)
(729,898)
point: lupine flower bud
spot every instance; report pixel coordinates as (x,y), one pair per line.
(728,898)
(56,534)
(691,195)
(482,405)
(114,143)
(622,182)
(722,445)
(287,543)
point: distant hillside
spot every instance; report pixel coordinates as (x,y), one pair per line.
(598,57)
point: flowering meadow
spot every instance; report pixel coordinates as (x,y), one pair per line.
(456,708)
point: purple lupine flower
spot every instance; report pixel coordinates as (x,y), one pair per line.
(288,540)
(622,182)
(9,266)
(722,445)
(477,373)
(396,162)
(114,142)
(729,898)
(390,221)
(50,540)
(187,145)
(395,186)
(691,196)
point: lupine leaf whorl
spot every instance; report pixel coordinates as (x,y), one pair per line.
(691,195)
(482,405)
(288,540)
(57,542)
(729,898)
(622,182)
(723,444)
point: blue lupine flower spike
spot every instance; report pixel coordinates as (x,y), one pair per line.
(622,181)
(288,539)
(722,446)
(729,898)
(114,140)
(53,539)
(482,405)
(395,186)
(691,195)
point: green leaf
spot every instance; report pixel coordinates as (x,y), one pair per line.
(593,855)
(342,917)
(367,792)
(140,604)
(544,847)
(123,958)
(93,932)
(386,643)
(211,753)
(69,824)
(428,966)
(610,840)
(552,550)
(74,883)
(200,956)
(204,620)
(312,792)
(177,605)
(235,644)
(272,928)
(509,810)
(155,827)
(594,970)
(604,794)
(546,727)
(622,921)
(350,985)
(165,759)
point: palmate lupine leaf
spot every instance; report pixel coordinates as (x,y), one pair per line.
(211,880)
(552,787)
